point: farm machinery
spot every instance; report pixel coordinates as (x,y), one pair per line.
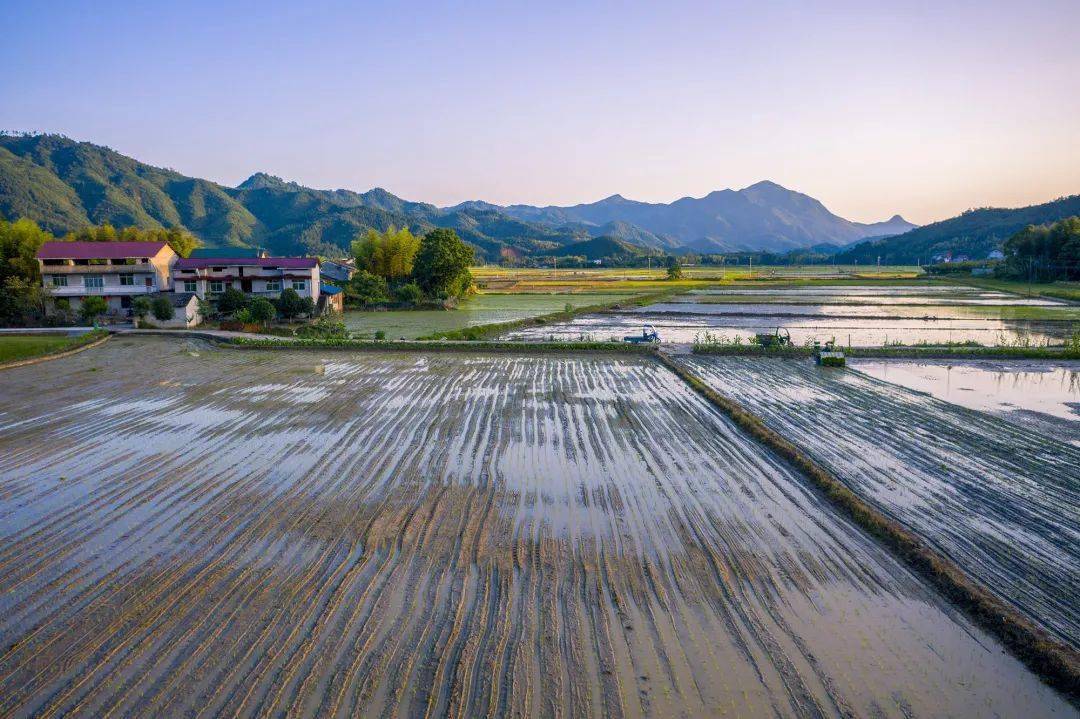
(828,355)
(780,338)
(648,336)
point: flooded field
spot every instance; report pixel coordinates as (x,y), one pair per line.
(862,316)
(1002,501)
(188,531)
(686,328)
(479,310)
(1043,396)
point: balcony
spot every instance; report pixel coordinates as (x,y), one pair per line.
(80,290)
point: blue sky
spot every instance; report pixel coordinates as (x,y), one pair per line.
(920,108)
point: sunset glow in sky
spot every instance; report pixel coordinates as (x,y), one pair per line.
(925,109)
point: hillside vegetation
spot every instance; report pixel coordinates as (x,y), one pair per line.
(975,234)
(65,185)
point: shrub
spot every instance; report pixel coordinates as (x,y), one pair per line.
(409,294)
(163,309)
(93,307)
(262,310)
(243,316)
(231,301)
(290,304)
(324,328)
(380,335)
(140,307)
(366,288)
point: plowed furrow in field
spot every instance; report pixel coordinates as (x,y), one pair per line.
(1002,501)
(202,532)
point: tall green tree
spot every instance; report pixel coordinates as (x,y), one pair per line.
(1044,253)
(674,269)
(387,254)
(19,243)
(442,264)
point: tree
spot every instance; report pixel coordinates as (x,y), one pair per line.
(140,307)
(674,269)
(231,300)
(181,241)
(93,307)
(387,254)
(366,288)
(290,304)
(1044,253)
(262,310)
(442,264)
(162,308)
(19,243)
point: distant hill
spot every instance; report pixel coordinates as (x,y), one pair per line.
(975,234)
(764,216)
(603,248)
(65,185)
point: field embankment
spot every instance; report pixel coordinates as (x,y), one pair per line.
(243,533)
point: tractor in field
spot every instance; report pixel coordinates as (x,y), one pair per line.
(648,336)
(780,338)
(829,355)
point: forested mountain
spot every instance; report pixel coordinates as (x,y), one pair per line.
(974,234)
(65,185)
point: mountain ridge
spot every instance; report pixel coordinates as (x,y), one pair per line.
(65,184)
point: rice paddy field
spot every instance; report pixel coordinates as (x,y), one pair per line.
(197,531)
(999,499)
(856,315)
(1041,396)
(14,347)
(481,309)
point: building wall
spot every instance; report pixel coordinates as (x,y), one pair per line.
(264,282)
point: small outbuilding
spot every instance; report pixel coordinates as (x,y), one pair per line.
(332,299)
(185,311)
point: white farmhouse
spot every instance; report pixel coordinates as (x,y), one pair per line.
(116,271)
(208,277)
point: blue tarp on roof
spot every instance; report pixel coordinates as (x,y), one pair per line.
(330,290)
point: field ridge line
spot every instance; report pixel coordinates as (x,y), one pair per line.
(1054,662)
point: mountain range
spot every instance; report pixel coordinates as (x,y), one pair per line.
(65,185)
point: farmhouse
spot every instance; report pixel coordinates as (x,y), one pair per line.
(116,271)
(208,277)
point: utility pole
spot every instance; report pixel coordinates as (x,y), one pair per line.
(751,259)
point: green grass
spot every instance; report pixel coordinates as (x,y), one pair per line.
(20,347)
(1056,290)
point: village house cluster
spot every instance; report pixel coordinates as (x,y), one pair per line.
(119,272)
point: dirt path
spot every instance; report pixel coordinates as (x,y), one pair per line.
(1003,502)
(187,530)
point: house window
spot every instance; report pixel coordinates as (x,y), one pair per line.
(217,287)
(94,282)
(59,281)
(273,285)
(299,285)
(127,280)
(189,286)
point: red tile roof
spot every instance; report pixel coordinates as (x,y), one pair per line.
(287,263)
(97,250)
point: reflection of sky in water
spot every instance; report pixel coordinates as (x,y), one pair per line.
(860,333)
(827,310)
(989,385)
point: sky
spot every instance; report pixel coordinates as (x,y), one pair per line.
(924,109)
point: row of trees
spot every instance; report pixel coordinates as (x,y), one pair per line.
(397,266)
(1045,253)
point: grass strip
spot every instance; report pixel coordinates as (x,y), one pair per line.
(488,331)
(929,352)
(49,352)
(1055,662)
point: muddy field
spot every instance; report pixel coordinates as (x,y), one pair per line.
(200,532)
(1001,500)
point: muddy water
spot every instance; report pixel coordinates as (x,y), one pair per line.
(1043,396)
(201,532)
(858,332)
(1001,500)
